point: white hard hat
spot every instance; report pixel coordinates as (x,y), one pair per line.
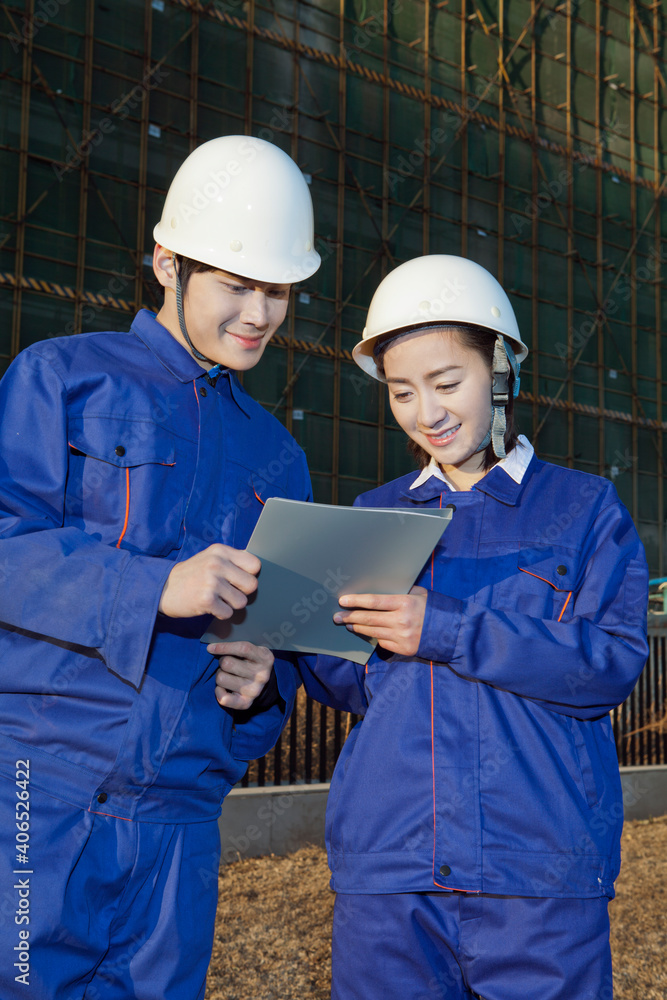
(438,288)
(241,204)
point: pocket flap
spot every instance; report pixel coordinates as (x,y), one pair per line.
(558,566)
(121,442)
(264,489)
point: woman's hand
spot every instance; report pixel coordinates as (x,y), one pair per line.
(395,620)
(243,672)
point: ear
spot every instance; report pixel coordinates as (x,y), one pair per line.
(163,266)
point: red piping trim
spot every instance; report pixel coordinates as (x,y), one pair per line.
(565,605)
(258,497)
(433,731)
(111,815)
(127,505)
(538,577)
(438,884)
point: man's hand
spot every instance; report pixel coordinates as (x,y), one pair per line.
(395,620)
(216,582)
(243,672)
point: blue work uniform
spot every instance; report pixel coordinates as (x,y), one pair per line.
(119,457)
(486,764)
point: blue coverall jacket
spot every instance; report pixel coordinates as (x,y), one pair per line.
(487,763)
(118,457)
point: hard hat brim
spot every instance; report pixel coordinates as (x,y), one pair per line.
(363,353)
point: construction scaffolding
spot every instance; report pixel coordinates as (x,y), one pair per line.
(527,135)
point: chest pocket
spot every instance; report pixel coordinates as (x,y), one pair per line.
(127,483)
(548,581)
(539,582)
(252,493)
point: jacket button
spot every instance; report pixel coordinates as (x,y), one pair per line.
(445,870)
(102,797)
(202,390)
(120,450)
(561,570)
(450,506)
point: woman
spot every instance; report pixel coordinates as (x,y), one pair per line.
(474,817)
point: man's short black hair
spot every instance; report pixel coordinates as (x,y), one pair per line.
(187,267)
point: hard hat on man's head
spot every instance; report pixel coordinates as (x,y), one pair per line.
(242,205)
(433,290)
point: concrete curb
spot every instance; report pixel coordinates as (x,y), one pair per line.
(644,791)
(274,820)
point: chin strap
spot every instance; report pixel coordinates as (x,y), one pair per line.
(504,361)
(181,317)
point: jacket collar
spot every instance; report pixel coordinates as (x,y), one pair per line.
(496,483)
(177,360)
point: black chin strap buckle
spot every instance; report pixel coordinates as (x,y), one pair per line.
(501,389)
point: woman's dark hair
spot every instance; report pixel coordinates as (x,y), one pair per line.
(476,338)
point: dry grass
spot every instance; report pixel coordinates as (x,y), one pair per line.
(273,929)
(639,913)
(274,922)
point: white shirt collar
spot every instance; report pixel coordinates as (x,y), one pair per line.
(515,465)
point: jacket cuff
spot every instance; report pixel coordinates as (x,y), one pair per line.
(440,630)
(133,616)
(256,731)
(268,696)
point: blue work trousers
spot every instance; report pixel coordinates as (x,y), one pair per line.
(435,946)
(103,908)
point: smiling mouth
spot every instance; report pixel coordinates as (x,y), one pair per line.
(247,342)
(443,438)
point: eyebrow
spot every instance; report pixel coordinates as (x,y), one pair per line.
(433,374)
(239,279)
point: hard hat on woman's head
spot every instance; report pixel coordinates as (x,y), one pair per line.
(442,290)
(241,204)
(431,291)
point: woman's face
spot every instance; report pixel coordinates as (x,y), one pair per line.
(440,394)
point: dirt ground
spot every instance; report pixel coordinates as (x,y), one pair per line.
(274,922)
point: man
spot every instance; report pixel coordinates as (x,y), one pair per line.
(133,467)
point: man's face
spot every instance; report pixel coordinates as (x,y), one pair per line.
(231,319)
